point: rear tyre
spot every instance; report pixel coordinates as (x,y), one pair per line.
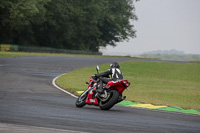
(114,95)
(80,102)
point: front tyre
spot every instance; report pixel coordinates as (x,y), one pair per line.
(106,105)
(80,102)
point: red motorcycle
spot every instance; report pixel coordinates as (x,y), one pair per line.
(112,93)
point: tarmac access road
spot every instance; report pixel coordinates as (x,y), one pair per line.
(30,103)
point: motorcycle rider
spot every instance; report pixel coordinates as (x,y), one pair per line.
(103,77)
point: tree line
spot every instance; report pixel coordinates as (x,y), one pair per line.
(67,24)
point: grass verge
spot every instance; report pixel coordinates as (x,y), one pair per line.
(159,83)
(18,54)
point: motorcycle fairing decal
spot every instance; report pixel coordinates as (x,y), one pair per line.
(92,100)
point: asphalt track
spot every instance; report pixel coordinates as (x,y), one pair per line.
(29,102)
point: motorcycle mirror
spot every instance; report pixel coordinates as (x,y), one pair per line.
(97,68)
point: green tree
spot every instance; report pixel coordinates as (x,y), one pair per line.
(69,24)
(116,25)
(17,17)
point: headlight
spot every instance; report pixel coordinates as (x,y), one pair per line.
(125,82)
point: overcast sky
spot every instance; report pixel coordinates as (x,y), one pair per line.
(163,25)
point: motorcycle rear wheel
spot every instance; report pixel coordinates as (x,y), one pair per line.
(114,95)
(80,102)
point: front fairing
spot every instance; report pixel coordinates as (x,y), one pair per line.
(90,98)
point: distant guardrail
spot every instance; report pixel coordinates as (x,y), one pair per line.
(13,47)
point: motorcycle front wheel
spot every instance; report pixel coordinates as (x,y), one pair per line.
(106,105)
(80,102)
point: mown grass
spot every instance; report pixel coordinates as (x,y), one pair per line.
(162,83)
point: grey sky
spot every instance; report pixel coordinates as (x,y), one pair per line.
(164,25)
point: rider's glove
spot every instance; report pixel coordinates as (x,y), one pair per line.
(96,75)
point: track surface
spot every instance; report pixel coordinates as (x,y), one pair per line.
(29,102)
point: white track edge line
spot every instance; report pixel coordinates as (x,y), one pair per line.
(55,85)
